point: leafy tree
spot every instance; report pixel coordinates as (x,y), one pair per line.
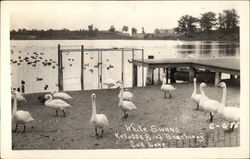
(228,20)
(186,24)
(125,28)
(134,31)
(90,28)
(156,31)
(207,21)
(143,32)
(112,29)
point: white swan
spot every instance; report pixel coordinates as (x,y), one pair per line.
(98,120)
(18,96)
(20,116)
(210,106)
(197,98)
(126,106)
(109,83)
(56,104)
(126,94)
(166,88)
(229,113)
(61,95)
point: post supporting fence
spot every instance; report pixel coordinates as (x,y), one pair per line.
(142,68)
(122,75)
(60,67)
(101,69)
(82,67)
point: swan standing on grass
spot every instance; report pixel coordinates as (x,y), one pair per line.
(109,83)
(56,104)
(20,116)
(125,106)
(166,88)
(210,106)
(229,113)
(98,120)
(199,97)
(126,94)
(61,95)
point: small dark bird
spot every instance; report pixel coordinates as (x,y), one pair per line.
(39,79)
(46,87)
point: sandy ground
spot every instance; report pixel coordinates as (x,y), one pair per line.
(176,116)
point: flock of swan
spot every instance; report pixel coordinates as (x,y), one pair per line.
(228,113)
(100,121)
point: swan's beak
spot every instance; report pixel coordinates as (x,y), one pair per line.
(118,87)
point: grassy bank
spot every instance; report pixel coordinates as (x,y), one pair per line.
(154,113)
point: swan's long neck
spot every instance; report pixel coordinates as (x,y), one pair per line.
(121,97)
(163,81)
(14,105)
(194,87)
(93,109)
(223,100)
(202,91)
(50,99)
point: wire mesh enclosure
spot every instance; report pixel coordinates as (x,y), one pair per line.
(98,62)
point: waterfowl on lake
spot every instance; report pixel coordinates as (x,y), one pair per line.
(109,83)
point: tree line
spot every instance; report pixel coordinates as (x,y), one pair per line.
(213,26)
(227,22)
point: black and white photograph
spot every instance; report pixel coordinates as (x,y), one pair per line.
(139,79)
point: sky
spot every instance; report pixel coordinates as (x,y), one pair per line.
(79,14)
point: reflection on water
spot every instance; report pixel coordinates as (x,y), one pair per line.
(35,61)
(208,49)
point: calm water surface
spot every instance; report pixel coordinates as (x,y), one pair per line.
(35,61)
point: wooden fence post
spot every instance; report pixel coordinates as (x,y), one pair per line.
(82,66)
(191,73)
(60,71)
(142,68)
(166,73)
(134,75)
(172,71)
(217,78)
(122,75)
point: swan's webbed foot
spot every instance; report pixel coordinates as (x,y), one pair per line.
(96,134)
(64,114)
(170,96)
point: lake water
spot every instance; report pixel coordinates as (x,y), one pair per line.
(35,61)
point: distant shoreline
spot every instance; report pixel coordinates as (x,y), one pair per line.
(190,37)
